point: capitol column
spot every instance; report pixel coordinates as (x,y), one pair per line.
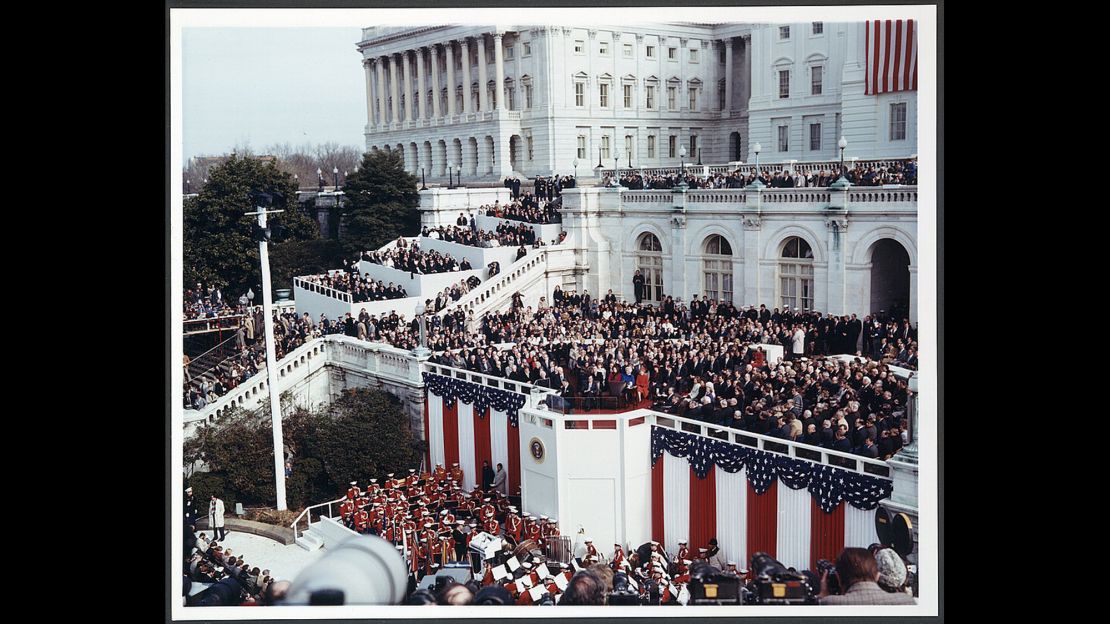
(407,67)
(395,107)
(499,72)
(380,62)
(483,92)
(464,50)
(435,82)
(728,79)
(449,47)
(420,84)
(369,94)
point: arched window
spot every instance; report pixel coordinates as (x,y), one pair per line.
(796,274)
(649,260)
(717,268)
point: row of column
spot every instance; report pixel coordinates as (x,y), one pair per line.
(383,89)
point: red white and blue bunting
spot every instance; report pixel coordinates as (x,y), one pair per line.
(827,484)
(477,395)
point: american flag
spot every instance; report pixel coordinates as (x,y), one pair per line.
(891,56)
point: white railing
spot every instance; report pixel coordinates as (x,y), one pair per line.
(320,289)
(308,517)
(882,194)
(797,450)
(484,296)
(251,391)
(535,394)
(797,167)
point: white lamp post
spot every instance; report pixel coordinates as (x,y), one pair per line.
(757,184)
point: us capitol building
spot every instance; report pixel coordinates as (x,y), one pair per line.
(495,101)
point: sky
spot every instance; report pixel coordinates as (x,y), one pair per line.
(261,86)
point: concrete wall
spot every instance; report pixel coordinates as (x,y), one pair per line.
(441,206)
(316,304)
(478,256)
(422,286)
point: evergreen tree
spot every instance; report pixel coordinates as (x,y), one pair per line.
(218,248)
(382,203)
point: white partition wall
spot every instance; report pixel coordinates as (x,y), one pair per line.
(546,231)
(466,444)
(424,286)
(478,256)
(676,501)
(732,515)
(792,547)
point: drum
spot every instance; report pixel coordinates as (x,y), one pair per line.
(527,548)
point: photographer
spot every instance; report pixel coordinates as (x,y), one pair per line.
(859,572)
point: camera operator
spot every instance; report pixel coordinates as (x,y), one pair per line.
(859,572)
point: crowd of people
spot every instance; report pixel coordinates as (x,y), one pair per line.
(504,236)
(226,577)
(208,302)
(902,172)
(548,188)
(701,362)
(527,209)
(408,256)
(362,288)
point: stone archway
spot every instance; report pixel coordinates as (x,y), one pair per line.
(441,151)
(515,150)
(472,156)
(734,147)
(490,161)
(890,278)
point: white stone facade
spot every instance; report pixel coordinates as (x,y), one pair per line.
(842,229)
(566,92)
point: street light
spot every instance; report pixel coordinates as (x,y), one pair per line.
(842,183)
(423,185)
(186,186)
(320,179)
(421,349)
(335,174)
(699,155)
(599,165)
(458,174)
(297,181)
(682,157)
(575,163)
(757,183)
(250,296)
(450,175)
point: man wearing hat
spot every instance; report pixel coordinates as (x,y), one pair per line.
(683,556)
(619,561)
(456,473)
(353,491)
(513,525)
(592,555)
(361,520)
(190,507)
(713,555)
(346,510)
(492,527)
